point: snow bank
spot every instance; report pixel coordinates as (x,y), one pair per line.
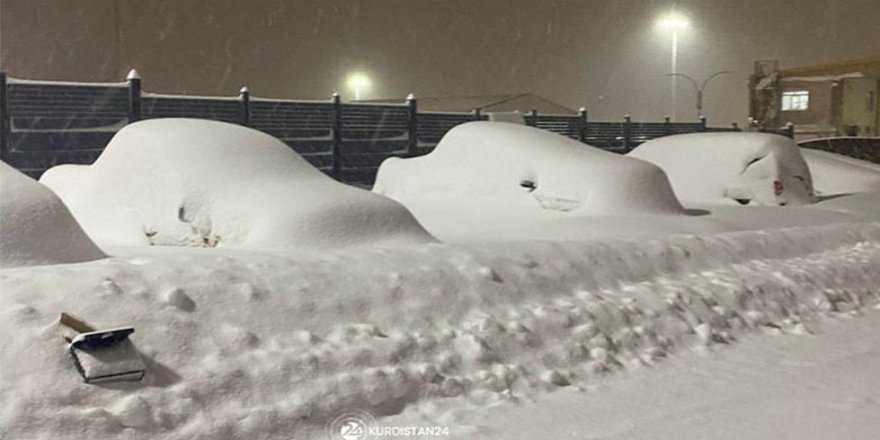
(243,345)
(835,174)
(752,168)
(527,170)
(767,388)
(188,182)
(35,226)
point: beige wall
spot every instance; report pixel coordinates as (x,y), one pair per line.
(856,110)
(820,111)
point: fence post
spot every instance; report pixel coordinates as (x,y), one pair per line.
(532,119)
(626,131)
(790,127)
(134,96)
(478,114)
(667,125)
(582,125)
(412,107)
(4,117)
(244,95)
(335,149)
(702,123)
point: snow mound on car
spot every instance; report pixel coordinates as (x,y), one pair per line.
(754,168)
(35,226)
(835,174)
(527,170)
(190,182)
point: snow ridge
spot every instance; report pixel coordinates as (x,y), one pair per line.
(253,353)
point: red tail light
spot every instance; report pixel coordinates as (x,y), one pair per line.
(777,187)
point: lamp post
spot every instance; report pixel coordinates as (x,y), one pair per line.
(674,23)
(699,88)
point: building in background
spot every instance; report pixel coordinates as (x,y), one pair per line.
(837,99)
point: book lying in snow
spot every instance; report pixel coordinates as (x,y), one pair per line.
(102,355)
(107,356)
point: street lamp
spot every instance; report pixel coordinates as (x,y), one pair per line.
(359,83)
(673,22)
(699,89)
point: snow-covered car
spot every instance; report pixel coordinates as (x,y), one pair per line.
(192,182)
(744,168)
(526,170)
(835,174)
(35,226)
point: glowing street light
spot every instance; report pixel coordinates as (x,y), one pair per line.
(359,83)
(673,22)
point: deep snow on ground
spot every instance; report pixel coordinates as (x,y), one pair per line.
(467,221)
(190,182)
(811,386)
(36,227)
(243,344)
(763,169)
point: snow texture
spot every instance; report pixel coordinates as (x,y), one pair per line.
(188,182)
(752,168)
(35,226)
(242,344)
(528,170)
(835,174)
(817,385)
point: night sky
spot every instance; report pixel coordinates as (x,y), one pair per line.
(606,55)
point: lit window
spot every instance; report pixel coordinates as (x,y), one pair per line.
(795,100)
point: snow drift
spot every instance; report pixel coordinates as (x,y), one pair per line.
(246,345)
(749,168)
(835,174)
(35,226)
(189,182)
(527,169)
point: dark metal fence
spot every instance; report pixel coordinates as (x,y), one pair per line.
(865,148)
(47,123)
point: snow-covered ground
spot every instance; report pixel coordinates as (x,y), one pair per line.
(817,386)
(655,310)
(244,344)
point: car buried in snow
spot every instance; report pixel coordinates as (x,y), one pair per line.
(728,168)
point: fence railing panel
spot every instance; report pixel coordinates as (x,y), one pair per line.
(566,125)
(49,123)
(181,107)
(434,125)
(606,135)
(43,124)
(370,134)
(307,127)
(866,148)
